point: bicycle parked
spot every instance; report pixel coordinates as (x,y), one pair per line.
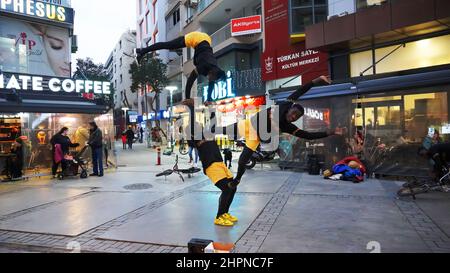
(179,171)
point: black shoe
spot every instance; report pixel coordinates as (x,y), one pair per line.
(101,175)
(93,174)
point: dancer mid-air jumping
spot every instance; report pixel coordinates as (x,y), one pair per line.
(204,60)
(289,112)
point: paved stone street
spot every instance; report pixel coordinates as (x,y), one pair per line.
(131,211)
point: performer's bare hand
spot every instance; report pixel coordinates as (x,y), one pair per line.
(188,102)
(323,79)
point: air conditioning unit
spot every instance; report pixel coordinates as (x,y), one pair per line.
(194,3)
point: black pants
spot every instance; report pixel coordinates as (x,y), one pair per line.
(171,45)
(232,131)
(56,165)
(227,196)
(130,144)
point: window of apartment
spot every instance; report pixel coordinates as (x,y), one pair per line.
(121,62)
(307,12)
(176,17)
(121,78)
(120,45)
(418,54)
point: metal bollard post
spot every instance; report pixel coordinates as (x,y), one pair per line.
(158,161)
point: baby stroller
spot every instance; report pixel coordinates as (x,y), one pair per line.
(74,164)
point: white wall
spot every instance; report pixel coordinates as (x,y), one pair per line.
(128,40)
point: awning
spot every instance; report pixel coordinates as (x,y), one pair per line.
(394,83)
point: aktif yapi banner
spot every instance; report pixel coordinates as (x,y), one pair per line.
(38,9)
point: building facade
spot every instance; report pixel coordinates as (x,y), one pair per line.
(118,67)
(391,82)
(37,94)
(151,28)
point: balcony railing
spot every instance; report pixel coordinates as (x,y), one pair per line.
(221,35)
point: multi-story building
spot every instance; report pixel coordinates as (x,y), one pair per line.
(118,67)
(390,61)
(236,31)
(38,97)
(151,28)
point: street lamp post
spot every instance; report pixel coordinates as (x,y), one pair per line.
(171,90)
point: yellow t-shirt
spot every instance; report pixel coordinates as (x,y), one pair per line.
(193,39)
(218,171)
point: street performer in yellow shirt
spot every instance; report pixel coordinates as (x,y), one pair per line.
(216,170)
(204,60)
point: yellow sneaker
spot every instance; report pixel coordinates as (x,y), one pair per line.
(221,221)
(230,217)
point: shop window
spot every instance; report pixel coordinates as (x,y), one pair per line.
(384,131)
(37,129)
(418,54)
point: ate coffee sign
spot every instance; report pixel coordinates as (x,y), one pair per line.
(246,25)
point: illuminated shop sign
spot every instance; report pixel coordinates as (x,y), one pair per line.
(315,114)
(222,90)
(38,9)
(67,85)
(163,114)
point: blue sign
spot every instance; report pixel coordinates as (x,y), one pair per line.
(163,114)
(40,10)
(222,90)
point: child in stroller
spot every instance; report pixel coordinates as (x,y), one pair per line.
(72,163)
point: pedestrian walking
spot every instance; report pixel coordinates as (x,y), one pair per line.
(96,144)
(141,131)
(130,137)
(192,150)
(124,140)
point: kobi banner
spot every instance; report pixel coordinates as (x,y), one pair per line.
(40,10)
(34,48)
(246,25)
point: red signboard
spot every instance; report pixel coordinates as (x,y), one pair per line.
(246,25)
(281,58)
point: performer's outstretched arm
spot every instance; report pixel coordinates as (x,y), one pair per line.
(305,88)
(295,131)
(301,91)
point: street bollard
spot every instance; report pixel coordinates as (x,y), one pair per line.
(158,161)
